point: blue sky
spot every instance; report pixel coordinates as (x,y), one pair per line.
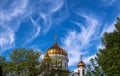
(79,24)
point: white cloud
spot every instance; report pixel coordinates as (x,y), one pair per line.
(20,9)
(6,38)
(75,42)
(57,5)
(46,15)
(37,28)
(47,23)
(100,46)
(108,28)
(10,22)
(109,2)
(16,11)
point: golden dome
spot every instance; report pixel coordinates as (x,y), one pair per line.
(81,64)
(55,49)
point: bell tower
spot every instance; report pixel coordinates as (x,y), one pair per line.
(81,67)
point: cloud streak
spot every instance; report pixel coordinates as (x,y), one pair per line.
(84,41)
(76,43)
(109,2)
(6,38)
(14,13)
(37,27)
(7,25)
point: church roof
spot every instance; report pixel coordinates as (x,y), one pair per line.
(55,49)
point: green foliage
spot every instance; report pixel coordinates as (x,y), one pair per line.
(109,57)
(24,62)
(3,63)
(107,60)
(2,60)
(93,69)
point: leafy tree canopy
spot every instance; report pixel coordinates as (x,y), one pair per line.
(109,57)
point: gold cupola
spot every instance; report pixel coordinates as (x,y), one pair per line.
(81,63)
(55,49)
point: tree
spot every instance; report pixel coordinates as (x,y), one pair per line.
(1,71)
(3,63)
(109,57)
(93,69)
(24,62)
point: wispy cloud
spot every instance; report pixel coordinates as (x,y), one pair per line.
(9,22)
(109,2)
(6,38)
(37,28)
(57,4)
(75,42)
(108,27)
(47,23)
(14,12)
(51,8)
(100,46)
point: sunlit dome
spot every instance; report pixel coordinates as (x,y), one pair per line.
(55,50)
(81,64)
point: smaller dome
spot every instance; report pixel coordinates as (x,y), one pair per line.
(81,64)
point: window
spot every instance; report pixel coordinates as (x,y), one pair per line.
(83,72)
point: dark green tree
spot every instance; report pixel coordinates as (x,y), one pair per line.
(93,69)
(3,66)
(24,62)
(109,57)
(2,63)
(1,71)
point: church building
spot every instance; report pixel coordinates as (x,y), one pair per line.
(57,51)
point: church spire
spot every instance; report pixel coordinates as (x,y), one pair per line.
(81,67)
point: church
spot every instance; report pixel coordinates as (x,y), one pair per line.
(57,51)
